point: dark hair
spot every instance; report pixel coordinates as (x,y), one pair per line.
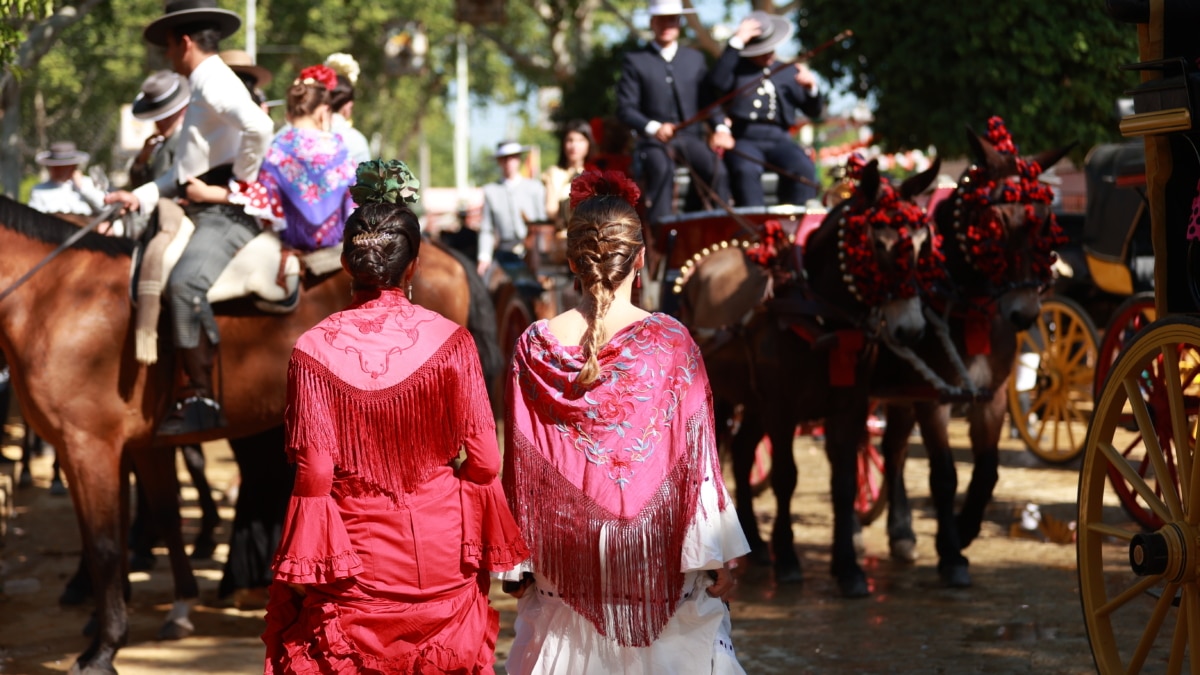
(582,128)
(303,99)
(251,83)
(205,34)
(342,94)
(604,237)
(381,240)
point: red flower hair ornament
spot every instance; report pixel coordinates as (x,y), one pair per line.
(319,74)
(603,184)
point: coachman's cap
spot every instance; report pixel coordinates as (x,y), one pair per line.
(61,153)
(184,12)
(163,94)
(240,62)
(775,30)
(509,149)
(669,8)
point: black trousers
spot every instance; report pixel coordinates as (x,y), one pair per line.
(659,161)
(770,143)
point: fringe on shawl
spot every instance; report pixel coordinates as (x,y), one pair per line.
(632,597)
(391,438)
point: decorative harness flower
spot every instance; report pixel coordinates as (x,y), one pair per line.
(866,279)
(982,241)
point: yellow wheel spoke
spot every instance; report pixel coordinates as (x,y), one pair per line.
(1111,531)
(1190,616)
(1136,481)
(1170,360)
(1143,584)
(1153,626)
(1178,643)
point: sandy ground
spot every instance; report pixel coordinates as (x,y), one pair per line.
(1022,615)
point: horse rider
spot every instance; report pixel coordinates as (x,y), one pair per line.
(342,103)
(163,101)
(662,85)
(508,205)
(255,77)
(224,135)
(763,115)
(67,191)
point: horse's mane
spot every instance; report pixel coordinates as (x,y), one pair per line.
(34,224)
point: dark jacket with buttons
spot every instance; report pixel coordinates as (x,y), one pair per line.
(644,90)
(732,72)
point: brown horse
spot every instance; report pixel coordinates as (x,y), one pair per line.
(861,266)
(67,333)
(1000,231)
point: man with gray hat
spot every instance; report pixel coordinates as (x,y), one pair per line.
(163,101)
(224,135)
(763,115)
(661,88)
(508,205)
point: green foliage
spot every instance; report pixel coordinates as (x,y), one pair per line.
(1049,69)
(593,92)
(15,16)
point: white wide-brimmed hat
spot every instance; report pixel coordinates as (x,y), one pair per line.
(509,148)
(163,94)
(775,30)
(669,8)
(61,153)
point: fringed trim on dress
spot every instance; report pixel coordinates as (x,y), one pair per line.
(632,595)
(418,424)
(318,570)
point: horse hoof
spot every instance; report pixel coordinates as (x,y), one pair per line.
(142,562)
(203,550)
(904,550)
(57,488)
(854,586)
(176,630)
(955,576)
(76,669)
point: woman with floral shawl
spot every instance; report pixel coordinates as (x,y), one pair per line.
(303,187)
(384,561)
(611,470)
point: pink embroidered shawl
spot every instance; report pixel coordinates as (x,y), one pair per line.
(386,364)
(604,480)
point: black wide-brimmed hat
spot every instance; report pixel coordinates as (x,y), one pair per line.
(183,12)
(775,30)
(163,94)
(61,153)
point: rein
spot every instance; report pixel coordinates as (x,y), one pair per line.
(95,222)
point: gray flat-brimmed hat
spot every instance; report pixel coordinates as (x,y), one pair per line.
(61,153)
(775,30)
(183,12)
(163,94)
(509,148)
(240,62)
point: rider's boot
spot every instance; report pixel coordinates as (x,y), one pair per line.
(197,410)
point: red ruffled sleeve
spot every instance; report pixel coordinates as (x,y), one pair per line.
(491,539)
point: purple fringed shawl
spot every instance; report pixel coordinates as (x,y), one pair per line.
(604,480)
(308,174)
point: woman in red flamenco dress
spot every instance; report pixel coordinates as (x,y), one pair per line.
(384,562)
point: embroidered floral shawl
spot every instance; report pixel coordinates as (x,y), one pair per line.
(386,364)
(604,480)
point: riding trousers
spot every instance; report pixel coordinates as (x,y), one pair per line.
(762,142)
(221,230)
(658,173)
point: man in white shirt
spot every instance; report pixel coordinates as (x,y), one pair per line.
(68,191)
(508,205)
(224,135)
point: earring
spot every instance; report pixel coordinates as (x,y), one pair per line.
(409,293)
(637,280)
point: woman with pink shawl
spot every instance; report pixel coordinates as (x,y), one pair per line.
(384,561)
(611,470)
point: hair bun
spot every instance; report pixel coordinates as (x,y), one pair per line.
(604,184)
(390,182)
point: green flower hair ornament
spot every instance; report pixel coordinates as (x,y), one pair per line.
(390,182)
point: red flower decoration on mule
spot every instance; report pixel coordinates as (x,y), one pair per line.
(604,184)
(871,284)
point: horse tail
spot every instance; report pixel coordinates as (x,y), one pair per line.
(481,318)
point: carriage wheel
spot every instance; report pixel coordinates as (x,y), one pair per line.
(512,318)
(1131,316)
(1140,588)
(871,499)
(1050,389)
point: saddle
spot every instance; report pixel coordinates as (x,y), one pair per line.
(261,272)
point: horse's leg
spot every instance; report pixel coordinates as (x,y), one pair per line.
(28,444)
(782,430)
(844,431)
(156,473)
(205,543)
(56,482)
(99,487)
(943,486)
(267,480)
(902,540)
(742,447)
(986,422)
(79,586)
(142,534)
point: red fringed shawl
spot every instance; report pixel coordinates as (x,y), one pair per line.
(385,364)
(604,480)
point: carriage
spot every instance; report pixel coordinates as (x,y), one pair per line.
(1139,486)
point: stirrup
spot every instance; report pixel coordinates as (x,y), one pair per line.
(193,415)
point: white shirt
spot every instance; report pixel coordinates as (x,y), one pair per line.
(356,143)
(65,197)
(222,125)
(507,206)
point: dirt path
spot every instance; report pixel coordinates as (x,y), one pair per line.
(1022,615)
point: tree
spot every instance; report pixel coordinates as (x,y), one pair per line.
(1051,70)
